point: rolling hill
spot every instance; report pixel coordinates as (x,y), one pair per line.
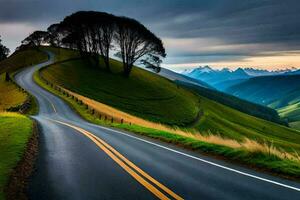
(265,89)
(157,97)
(278,92)
(244,106)
(21,59)
(146,95)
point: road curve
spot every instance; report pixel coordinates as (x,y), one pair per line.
(80,160)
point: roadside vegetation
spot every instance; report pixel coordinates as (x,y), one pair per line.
(15,131)
(11,95)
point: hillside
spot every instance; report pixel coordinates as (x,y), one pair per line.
(181,77)
(152,97)
(10,95)
(158,99)
(289,107)
(266,89)
(22,59)
(247,107)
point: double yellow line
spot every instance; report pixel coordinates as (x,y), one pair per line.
(142,177)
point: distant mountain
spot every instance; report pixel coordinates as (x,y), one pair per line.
(220,79)
(265,89)
(294,72)
(264,72)
(225,78)
(171,75)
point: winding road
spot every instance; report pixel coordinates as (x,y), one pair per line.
(80,160)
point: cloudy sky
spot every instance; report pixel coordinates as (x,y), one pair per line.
(220,33)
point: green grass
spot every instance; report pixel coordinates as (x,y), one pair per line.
(158,99)
(244,106)
(10,94)
(236,125)
(288,107)
(61,54)
(154,98)
(22,59)
(255,159)
(15,130)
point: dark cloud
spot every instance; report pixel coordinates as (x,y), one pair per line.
(264,25)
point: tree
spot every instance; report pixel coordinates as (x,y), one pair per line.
(135,42)
(89,32)
(94,34)
(36,38)
(4,51)
(7,78)
(54,36)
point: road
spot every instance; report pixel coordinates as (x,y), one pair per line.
(80,160)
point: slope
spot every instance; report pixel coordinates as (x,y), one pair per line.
(265,90)
(241,105)
(158,98)
(155,98)
(21,59)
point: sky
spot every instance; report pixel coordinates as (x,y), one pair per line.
(219,33)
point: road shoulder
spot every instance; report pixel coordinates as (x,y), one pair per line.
(18,181)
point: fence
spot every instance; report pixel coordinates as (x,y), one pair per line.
(91,110)
(25,106)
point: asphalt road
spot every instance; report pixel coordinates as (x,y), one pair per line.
(80,160)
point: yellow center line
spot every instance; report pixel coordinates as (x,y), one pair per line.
(164,188)
(110,151)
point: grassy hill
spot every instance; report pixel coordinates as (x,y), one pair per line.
(244,106)
(22,59)
(278,92)
(158,99)
(152,97)
(265,89)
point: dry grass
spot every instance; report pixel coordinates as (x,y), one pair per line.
(247,144)
(10,95)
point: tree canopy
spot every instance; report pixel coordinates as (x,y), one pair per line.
(4,51)
(135,41)
(96,34)
(36,38)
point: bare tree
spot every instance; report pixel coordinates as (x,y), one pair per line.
(135,41)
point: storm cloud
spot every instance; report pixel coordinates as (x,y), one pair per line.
(193,31)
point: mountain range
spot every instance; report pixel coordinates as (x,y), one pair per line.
(226,78)
(279,89)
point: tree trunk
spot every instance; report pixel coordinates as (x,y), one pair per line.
(107,64)
(7,78)
(127,70)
